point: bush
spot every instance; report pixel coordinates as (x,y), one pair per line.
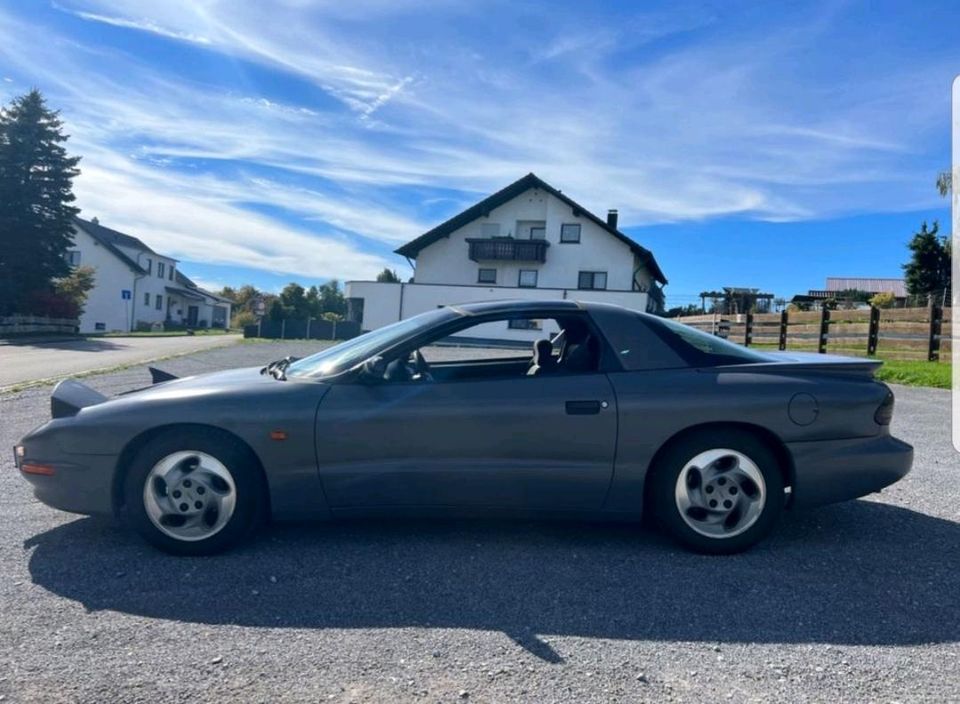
(52,305)
(243,318)
(883,300)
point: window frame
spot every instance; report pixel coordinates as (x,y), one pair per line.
(482,269)
(161,270)
(536,278)
(159,301)
(146,298)
(539,228)
(565,225)
(593,278)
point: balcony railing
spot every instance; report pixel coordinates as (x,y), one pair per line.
(508,249)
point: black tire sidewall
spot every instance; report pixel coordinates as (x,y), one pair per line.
(234,456)
(663,501)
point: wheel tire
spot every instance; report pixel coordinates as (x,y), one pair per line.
(248,490)
(664,491)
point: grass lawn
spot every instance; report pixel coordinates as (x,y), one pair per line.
(914,373)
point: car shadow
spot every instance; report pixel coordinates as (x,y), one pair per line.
(860,573)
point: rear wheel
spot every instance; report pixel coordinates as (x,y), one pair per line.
(193,492)
(718,491)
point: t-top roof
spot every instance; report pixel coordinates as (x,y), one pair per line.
(412,249)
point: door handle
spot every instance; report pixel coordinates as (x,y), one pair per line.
(585,408)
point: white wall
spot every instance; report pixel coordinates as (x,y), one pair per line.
(104,302)
(382,302)
(446,261)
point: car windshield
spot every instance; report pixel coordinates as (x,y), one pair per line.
(348,354)
(706,347)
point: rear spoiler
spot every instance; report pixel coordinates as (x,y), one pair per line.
(158,376)
(70,396)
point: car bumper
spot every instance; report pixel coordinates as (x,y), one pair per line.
(839,470)
(82,484)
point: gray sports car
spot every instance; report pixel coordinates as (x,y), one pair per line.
(613,413)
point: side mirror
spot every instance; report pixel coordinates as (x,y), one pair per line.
(374,368)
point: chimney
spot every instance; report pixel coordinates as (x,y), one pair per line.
(95,220)
(612,218)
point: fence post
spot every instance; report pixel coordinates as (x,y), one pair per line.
(283,329)
(873,334)
(783,330)
(748,330)
(824,329)
(309,320)
(333,335)
(936,319)
(259,323)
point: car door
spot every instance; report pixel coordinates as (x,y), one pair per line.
(540,442)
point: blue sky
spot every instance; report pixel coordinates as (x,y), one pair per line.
(745,143)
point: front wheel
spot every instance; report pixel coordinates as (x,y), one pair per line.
(718,492)
(193,492)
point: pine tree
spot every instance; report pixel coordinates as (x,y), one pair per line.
(36,176)
(928,271)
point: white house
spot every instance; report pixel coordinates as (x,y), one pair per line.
(528,240)
(135,286)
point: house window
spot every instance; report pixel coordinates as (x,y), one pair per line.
(592,281)
(490,229)
(538,233)
(149,266)
(146,299)
(570,233)
(524,324)
(72,257)
(171,272)
(528,278)
(487,276)
(159,302)
(161,270)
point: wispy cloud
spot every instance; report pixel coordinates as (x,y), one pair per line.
(143,25)
(672,114)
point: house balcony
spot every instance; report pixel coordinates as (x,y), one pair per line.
(508,249)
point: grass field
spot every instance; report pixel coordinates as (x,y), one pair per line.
(913,373)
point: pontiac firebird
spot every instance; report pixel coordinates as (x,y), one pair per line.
(612,413)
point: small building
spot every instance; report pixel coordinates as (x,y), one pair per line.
(135,286)
(529,241)
(851,292)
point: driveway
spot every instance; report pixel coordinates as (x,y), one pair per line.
(852,602)
(30,361)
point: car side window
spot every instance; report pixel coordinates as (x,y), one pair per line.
(503,348)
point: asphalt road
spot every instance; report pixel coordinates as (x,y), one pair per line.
(854,602)
(24,362)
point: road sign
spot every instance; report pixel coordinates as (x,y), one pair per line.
(126,294)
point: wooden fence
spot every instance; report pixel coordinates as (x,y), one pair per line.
(14,325)
(896,333)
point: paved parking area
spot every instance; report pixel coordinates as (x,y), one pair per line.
(854,602)
(22,362)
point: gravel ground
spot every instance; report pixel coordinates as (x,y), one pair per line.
(854,602)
